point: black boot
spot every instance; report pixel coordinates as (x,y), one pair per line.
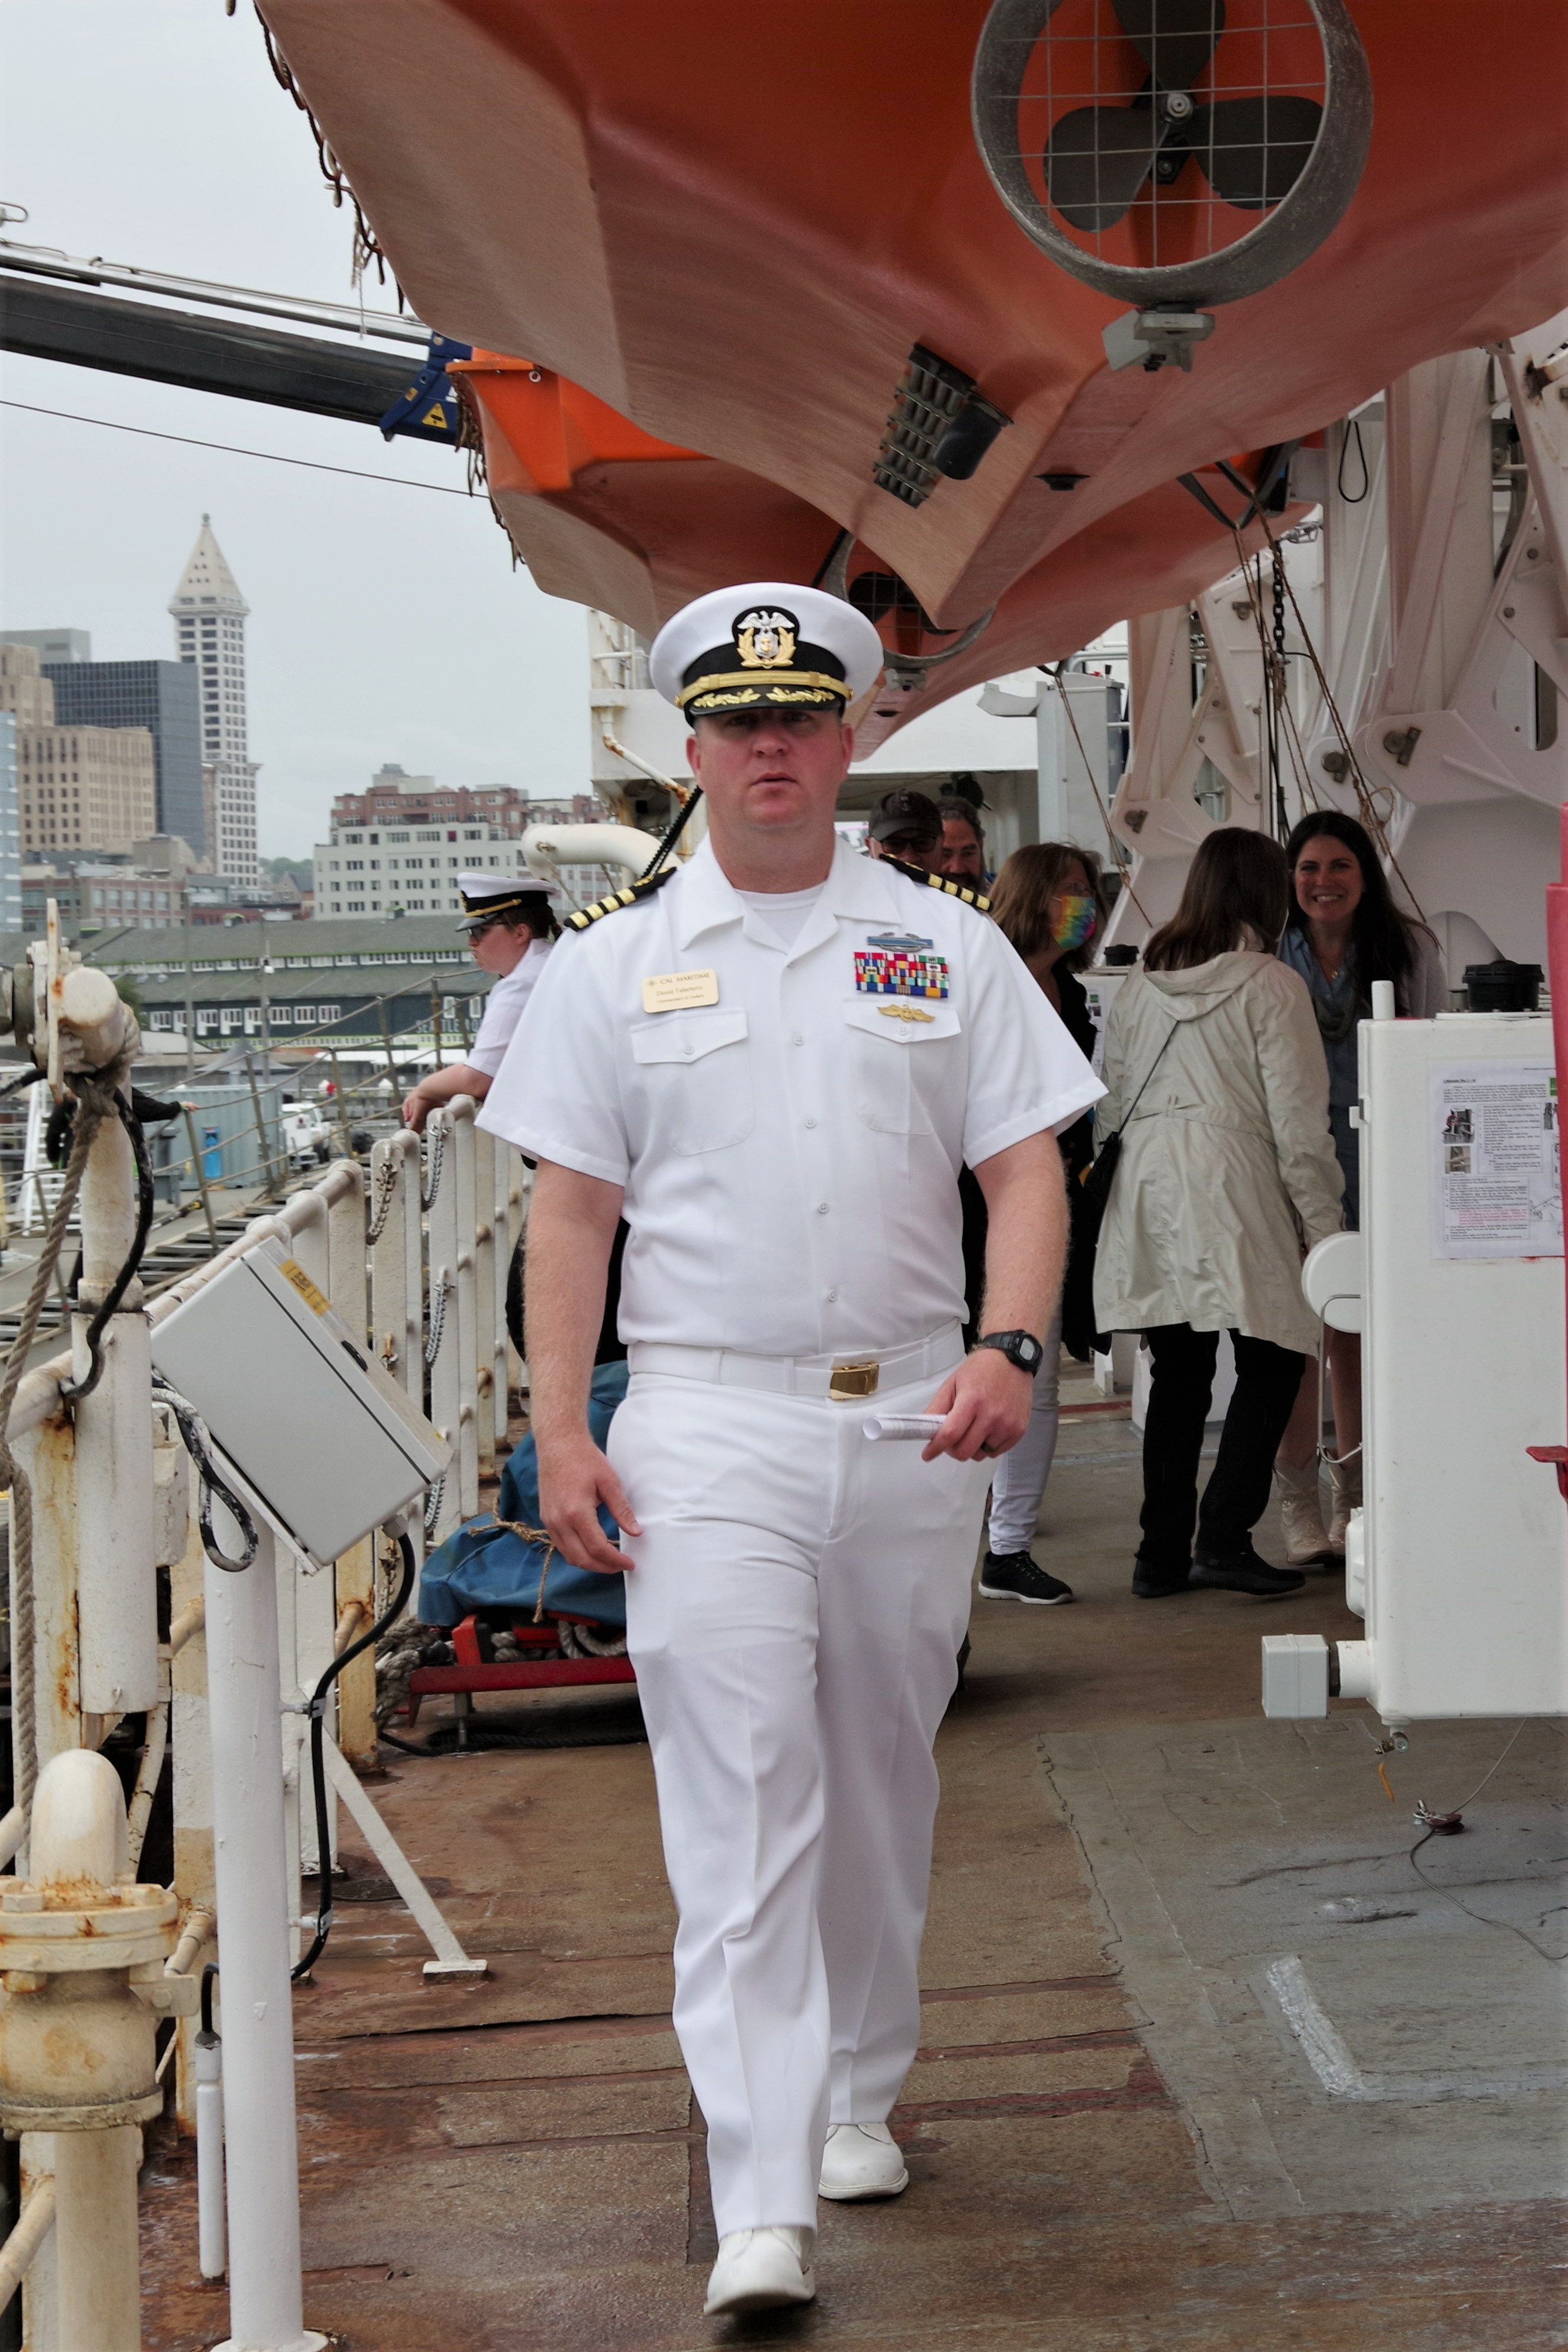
(1245,1571)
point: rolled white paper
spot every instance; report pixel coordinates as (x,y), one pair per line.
(918,1426)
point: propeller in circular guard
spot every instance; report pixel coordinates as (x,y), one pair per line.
(1252,150)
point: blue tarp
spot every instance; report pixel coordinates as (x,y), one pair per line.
(484,1565)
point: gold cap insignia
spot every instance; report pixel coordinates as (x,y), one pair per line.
(766,640)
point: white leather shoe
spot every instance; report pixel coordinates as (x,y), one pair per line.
(760,2270)
(861,2160)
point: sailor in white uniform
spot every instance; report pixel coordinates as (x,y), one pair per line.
(509,923)
(777,1057)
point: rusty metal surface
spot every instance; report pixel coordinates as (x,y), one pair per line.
(515,2165)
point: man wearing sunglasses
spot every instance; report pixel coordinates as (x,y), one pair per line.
(906,825)
(509,926)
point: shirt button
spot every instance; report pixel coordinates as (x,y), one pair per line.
(822,1208)
(686,1050)
(797,1040)
(811,1122)
(830,1295)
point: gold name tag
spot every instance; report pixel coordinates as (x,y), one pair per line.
(897,1012)
(673,992)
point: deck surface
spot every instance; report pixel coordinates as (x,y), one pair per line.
(1127,2130)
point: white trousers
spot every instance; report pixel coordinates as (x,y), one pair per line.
(1019,1483)
(794,1610)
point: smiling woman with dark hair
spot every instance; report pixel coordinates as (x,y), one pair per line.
(1344,932)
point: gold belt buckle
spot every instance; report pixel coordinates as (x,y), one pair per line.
(847,1381)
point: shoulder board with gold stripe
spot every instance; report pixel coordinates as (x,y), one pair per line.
(942,882)
(581,917)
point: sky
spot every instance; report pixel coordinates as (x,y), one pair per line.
(387,623)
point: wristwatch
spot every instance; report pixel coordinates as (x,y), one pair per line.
(1020,1348)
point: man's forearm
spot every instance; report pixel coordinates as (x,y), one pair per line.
(1026,1237)
(571,1230)
(455,1079)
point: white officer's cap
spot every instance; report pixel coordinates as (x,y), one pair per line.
(769,643)
(486,895)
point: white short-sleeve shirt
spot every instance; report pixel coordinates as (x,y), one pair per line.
(504,1009)
(789,1152)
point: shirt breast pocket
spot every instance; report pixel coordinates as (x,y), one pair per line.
(904,1055)
(696,1074)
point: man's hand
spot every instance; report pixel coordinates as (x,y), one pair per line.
(984,1406)
(574,1479)
(416,1109)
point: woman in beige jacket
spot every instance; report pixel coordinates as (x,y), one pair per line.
(1216,1078)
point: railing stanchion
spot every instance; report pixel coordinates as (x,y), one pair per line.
(354,1578)
(483,1347)
(442,1346)
(466,1211)
(256,1901)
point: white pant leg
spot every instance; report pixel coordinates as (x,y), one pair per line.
(734,1501)
(1020,1484)
(893,1602)
(748,1503)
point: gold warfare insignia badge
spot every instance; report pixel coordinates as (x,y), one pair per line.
(766,640)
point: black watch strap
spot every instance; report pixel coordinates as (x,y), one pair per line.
(1020,1348)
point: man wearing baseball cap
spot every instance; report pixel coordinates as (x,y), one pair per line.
(773,1059)
(508,923)
(908,826)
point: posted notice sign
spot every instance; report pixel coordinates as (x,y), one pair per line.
(1495,1173)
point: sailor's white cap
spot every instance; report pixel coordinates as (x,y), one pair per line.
(768,642)
(484,896)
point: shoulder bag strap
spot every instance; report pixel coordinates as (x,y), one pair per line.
(1143,1090)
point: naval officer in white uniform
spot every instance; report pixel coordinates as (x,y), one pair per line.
(509,924)
(774,1061)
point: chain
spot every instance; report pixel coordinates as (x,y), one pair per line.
(437,1321)
(433,1503)
(386,1185)
(437,1160)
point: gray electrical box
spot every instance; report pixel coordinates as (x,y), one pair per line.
(309,1418)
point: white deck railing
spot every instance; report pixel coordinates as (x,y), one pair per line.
(415,1263)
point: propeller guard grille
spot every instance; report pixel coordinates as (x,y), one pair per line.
(1134,141)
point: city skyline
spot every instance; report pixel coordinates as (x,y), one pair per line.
(387,622)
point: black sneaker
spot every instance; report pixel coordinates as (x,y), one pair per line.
(1245,1571)
(1017,1576)
(1153,1583)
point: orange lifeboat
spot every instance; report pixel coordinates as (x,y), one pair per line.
(731,234)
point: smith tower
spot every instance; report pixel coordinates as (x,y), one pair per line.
(209,629)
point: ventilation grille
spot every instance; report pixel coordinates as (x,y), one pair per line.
(929,398)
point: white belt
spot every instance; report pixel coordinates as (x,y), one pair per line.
(844,1380)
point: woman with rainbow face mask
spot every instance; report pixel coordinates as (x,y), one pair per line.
(1050,903)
